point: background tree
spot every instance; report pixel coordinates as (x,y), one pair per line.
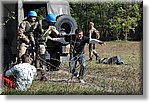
(115,21)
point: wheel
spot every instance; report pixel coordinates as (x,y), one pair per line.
(67,23)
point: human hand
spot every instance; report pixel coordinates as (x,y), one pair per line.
(102,43)
(50,38)
(25,38)
(52,27)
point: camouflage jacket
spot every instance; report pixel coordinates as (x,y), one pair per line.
(50,32)
(27,29)
(94,33)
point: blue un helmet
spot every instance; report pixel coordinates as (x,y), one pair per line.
(32,14)
(51,18)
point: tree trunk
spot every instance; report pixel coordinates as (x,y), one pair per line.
(126,36)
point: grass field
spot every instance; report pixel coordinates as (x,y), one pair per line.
(101,79)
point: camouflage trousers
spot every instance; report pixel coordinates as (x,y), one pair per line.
(22,50)
(92,51)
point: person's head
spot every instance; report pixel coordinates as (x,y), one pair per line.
(51,19)
(32,15)
(26,58)
(79,33)
(91,24)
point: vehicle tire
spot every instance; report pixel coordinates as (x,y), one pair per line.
(66,23)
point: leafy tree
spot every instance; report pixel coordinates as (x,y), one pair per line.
(113,20)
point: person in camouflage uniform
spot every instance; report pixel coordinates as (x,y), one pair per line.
(28,29)
(93,33)
(50,31)
(52,47)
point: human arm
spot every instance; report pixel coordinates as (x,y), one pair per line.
(97,33)
(53,30)
(34,71)
(50,33)
(95,41)
(61,40)
(90,33)
(21,32)
(65,39)
(11,71)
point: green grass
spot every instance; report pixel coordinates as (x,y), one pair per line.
(101,79)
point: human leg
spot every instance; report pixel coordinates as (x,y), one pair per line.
(73,66)
(95,53)
(90,52)
(82,61)
(22,50)
(7,81)
(119,60)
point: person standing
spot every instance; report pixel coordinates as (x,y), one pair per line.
(93,33)
(28,29)
(53,47)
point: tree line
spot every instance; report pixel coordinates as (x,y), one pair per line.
(115,21)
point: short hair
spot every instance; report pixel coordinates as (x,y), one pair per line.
(91,23)
(26,58)
(78,31)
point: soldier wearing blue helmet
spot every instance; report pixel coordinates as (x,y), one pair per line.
(51,33)
(28,29)
(32,14)
(51,18)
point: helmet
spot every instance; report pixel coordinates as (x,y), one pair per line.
(32,14)
(51,18)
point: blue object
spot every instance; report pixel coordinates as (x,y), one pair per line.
(119,61)
(82,61)
(32,14)
(51,18)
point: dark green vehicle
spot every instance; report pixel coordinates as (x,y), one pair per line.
(16,11)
